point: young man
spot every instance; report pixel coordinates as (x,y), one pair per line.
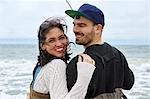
(112,73)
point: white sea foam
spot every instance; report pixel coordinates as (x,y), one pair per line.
(141,88)
(6,96)
(17,74)
(15,78)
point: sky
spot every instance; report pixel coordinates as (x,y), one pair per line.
(126,21)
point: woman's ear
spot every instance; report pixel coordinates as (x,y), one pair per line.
(42,45)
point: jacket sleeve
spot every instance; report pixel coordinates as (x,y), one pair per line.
(128,74)
(71,73)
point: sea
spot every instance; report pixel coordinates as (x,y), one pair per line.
(18,60)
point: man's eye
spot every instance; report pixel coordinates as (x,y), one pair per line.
(82,25)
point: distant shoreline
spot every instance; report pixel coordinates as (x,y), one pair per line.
(114,44)
(32,41)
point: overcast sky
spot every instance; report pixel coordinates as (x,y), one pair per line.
(127,21)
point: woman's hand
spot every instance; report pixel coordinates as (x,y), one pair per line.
(86,58)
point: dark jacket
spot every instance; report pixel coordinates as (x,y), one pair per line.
(111,71)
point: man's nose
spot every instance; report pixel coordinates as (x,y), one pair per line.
(75,29)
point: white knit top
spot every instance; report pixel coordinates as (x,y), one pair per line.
(52,79)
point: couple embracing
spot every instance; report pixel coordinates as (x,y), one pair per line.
(100,72)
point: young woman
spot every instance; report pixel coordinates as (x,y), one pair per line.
(49,75)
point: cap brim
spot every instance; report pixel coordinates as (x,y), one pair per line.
(73,13)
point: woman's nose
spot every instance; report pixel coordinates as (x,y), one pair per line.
(58,43)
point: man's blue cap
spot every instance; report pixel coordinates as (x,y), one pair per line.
(89,11)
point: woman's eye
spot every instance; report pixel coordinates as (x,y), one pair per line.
(62,37)
(50,41)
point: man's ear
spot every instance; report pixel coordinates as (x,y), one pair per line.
(42,45)
(98,28)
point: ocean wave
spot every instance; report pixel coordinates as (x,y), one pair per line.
(16,76)
(6,96)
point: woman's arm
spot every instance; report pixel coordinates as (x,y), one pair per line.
(52,79)
(58,88)
(85,68)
